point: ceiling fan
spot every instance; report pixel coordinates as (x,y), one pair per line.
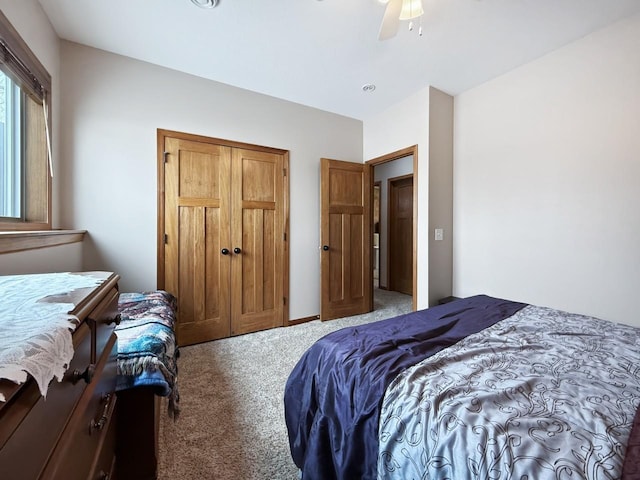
(205,3)
(399,10)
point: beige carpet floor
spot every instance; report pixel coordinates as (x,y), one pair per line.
(231,425)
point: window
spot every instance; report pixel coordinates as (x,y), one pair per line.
(10,150)
(25,179)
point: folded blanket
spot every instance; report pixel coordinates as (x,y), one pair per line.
(147,350)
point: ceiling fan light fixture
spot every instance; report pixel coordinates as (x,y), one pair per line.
(205,3)
(411,9)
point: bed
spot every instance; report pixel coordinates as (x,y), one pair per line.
(147,370)
(477,388)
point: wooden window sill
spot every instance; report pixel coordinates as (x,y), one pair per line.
(20,241)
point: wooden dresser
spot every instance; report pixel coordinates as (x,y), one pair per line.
(72,433)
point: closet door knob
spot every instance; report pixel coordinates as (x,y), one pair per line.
(225,251)
(237,250)
(325,247)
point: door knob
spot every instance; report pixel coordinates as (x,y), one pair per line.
(325,247)
(237,250)
(225,251)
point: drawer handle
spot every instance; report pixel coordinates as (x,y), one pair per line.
(115,320)
(103,476)
(102,421)
(87,375)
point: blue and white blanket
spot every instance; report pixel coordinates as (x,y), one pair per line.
(147,350)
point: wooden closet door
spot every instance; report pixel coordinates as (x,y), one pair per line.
(257,231)
(197,227)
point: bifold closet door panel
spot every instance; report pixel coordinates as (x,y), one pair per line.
(257,226)
(197,224)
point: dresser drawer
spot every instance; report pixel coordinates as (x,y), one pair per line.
(105,461)
(87,433)
(47,417)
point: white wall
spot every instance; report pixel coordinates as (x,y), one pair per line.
(112,108)
(382,173)
(403,125)
(547,180)
(61,258)
(440,194)
(423,119)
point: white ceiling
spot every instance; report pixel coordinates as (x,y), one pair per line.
(320,53)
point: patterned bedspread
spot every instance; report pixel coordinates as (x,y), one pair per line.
(334,394)
(541,395)
(147,351)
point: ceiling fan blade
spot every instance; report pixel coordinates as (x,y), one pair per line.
(391,20)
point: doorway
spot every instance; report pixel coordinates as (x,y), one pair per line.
(376,234)
(398,169)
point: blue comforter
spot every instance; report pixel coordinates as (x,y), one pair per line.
(334,394)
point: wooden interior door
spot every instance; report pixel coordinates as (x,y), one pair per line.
(346,275)
(400,245)
(197,258)
(257,239)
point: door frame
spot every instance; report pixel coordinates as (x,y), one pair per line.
(161,135)
(390,157)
